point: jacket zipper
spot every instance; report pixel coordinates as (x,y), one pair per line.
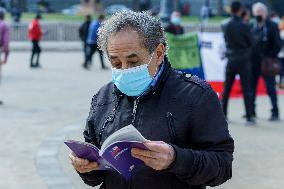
(170,121)
(134,110)
(109,119)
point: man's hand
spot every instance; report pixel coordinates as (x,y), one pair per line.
(82,165)
(159,156)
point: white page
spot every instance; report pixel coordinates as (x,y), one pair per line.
(128,133)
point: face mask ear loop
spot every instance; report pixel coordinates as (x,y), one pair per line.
(150,62)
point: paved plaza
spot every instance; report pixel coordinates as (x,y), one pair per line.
(43,107)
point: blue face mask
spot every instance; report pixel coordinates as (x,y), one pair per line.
(132,81)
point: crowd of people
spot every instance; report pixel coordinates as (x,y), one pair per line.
(188,141)
(249,43)
(252,51)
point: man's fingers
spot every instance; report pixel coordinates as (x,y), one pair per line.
(78,161)
(86,168)
(92,165)
(155,146)
(83,170)
(145,153)
(149,161)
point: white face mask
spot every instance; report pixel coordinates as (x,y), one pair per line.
(176,20)
(276,20)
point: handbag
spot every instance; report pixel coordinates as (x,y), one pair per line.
(270,66)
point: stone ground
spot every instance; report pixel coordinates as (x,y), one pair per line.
(44,107)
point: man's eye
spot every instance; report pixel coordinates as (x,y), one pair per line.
(116,65)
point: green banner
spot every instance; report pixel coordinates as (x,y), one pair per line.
(183,51)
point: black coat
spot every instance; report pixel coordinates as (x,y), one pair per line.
(238,38)
(84,31)
(267,41)
(180,110)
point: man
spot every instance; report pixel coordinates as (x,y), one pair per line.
(246,16)
(84,32)
(204,13)
(267,44)
(175,24)
(238,41)
(92,45)
(274,17)
(4,42)
(188,139)
(35,34)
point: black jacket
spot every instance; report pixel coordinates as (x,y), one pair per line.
(267,41)
(174,29)
(238,38)
(180,110)
(84,31)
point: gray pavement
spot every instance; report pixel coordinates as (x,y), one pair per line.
(46,106)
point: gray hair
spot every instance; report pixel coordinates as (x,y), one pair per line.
(259,6)
(148,27)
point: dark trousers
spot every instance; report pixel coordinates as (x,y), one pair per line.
(90,50)
(282,73)
(85,48)
(36,50)
(241,68)
(270,84)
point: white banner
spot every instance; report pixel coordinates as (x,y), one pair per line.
(212,55)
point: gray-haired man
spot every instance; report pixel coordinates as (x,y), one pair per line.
(189,142)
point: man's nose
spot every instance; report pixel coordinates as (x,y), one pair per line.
(125,65)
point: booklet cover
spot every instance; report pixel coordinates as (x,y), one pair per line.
(115,153)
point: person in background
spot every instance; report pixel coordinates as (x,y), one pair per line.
(267,43)
(246,16)
(281,53)
(16,14)
(83,34)
(204,14)
(238,39)
(92,45)
(35,35)
(175,24)
(4,42)
(274,17)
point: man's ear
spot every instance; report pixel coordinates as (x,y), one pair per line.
(160,53)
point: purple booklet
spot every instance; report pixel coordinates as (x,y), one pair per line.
(115,153)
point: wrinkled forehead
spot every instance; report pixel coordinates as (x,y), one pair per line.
(126,41)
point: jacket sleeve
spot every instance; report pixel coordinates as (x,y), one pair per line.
(93,178)
(248,36)
(209,162)
(276,41)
